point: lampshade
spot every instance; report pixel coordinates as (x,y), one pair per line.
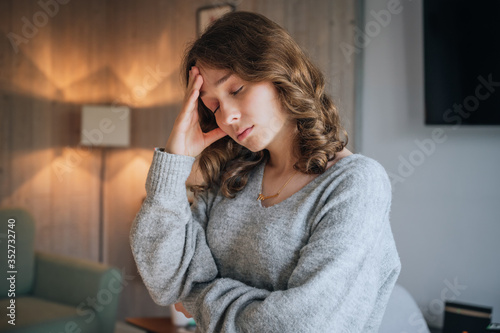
(105,126)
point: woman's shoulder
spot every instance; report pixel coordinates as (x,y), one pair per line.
(355,163)
(359,171)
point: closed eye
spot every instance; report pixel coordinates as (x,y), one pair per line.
(234,93)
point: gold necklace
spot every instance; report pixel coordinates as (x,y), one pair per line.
(261,197)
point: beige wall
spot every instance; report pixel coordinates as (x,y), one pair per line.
(125,52)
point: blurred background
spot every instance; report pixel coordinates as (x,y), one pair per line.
(58,56)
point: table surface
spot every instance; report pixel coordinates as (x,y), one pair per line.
(158,325)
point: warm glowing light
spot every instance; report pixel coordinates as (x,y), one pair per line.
(63,72)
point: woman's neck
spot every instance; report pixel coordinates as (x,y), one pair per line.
(282,152)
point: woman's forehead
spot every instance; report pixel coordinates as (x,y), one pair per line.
(213,78)
(208,69)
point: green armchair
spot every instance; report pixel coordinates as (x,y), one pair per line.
(53,293)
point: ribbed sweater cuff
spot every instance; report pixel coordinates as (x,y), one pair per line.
(168,174)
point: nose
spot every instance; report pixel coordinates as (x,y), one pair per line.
(229,113)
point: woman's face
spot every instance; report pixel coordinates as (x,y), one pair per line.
(239,105)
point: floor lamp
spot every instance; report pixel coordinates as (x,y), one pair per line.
(104,127)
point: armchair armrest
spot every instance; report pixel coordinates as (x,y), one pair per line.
(93,288)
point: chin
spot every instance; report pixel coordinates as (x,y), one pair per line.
(252,148)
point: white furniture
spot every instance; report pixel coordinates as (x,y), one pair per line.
(403,314)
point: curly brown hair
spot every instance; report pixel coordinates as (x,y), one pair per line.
(257,49)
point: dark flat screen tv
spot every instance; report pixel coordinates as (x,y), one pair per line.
(462,62)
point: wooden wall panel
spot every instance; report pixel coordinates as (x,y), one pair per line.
(341,69)
(119,52)
(47,174)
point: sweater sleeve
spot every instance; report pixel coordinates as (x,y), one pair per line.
(342,281)
(167,236)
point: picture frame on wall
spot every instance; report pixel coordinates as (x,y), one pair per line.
(208,14)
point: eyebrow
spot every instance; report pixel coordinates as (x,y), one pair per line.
(219,82)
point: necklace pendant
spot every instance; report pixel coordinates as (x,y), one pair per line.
(261,197)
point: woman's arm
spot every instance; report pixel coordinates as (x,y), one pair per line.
(342,281)
(167,237)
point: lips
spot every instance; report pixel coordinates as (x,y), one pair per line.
(243,130)
(244,133)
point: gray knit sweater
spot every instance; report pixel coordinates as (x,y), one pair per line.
(322,260)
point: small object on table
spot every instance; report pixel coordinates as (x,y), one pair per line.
(462,317)
(159,325)
(179,319)
(493,328)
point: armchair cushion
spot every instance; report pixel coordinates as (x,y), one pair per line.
(55,293)
(23,234)
(57,276)
(90,288)
(36,315)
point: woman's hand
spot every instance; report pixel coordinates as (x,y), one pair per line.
(187,137)
(179,307)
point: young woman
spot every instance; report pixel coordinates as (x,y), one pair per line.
(289,231)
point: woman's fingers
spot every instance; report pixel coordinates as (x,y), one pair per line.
(214,135)
(192,101)
(187,138)
(194,73)
(195,70)
(193,92)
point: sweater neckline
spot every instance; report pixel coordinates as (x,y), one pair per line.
(260,177)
